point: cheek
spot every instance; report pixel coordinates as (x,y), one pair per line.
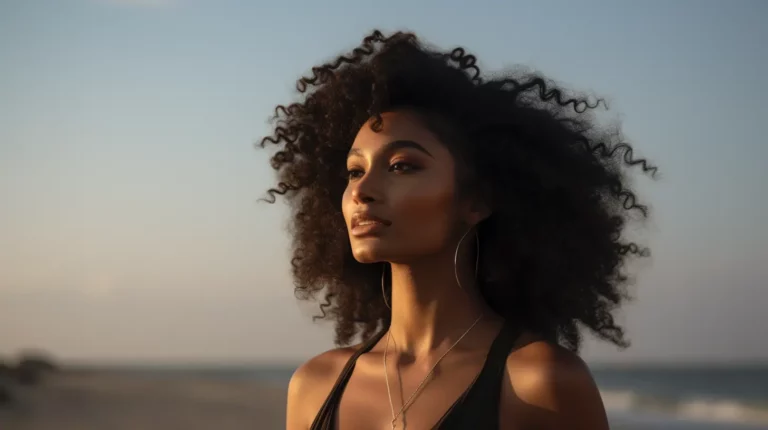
(426,213)
(346,203)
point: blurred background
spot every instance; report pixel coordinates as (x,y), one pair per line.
(143,286)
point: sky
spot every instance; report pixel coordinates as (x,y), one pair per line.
(130,227)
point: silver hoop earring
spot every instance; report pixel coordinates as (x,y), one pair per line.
(456,256)
(383,293)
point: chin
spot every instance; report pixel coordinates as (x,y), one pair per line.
(367,253)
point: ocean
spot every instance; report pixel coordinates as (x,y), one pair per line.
(687,397)
(642,398)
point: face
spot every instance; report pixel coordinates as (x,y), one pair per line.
(400,203)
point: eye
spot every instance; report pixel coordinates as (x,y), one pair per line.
(354,173)
(402,167)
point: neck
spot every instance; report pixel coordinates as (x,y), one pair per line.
(429,307)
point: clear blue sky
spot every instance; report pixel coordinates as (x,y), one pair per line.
(129,227)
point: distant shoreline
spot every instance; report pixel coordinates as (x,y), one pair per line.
(192,364)
(81,400)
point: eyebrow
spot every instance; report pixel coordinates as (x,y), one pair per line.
(393,146)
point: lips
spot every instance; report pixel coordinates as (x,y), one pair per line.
(364,224)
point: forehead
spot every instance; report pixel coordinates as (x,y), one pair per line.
(400,125)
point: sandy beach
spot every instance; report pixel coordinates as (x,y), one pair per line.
(100,400)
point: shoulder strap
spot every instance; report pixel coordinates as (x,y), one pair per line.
(478,407)
(326,415)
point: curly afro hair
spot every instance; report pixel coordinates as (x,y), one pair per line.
(554,257)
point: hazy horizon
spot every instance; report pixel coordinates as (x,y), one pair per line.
(129,181)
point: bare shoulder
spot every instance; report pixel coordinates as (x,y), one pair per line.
(311,383)
(551,387)
(324,366)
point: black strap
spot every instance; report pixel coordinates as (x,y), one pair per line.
(324,418)
(478,407)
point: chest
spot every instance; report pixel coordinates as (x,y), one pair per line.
(365,403)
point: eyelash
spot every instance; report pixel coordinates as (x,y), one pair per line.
(357,173)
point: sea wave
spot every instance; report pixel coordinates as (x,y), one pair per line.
(688,409)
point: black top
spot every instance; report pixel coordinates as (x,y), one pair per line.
(477,408)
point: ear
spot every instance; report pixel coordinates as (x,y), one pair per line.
(480,207)
(478,212)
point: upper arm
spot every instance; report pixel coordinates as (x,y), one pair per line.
(296,414)
(551,388)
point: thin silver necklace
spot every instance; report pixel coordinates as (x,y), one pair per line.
(412,398)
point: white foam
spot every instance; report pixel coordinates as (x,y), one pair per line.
(722,411)
(699,410)
(619,400)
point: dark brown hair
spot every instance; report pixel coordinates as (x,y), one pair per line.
(553,254)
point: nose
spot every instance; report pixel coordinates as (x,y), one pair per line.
(364,190)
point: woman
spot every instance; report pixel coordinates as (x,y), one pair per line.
(465,228)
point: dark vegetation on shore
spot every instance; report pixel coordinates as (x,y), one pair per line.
(29,369)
